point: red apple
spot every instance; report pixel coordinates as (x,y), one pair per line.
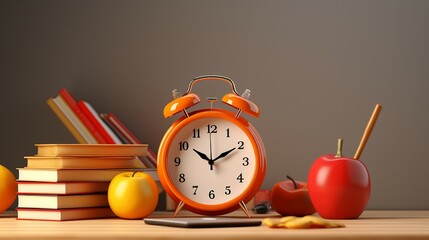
(339,187)
(290,198)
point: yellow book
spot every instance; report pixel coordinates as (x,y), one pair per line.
(94,150)
(65,121)
(80,162)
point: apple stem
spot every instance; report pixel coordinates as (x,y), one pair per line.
(339,148)
(133,173)
(294,183)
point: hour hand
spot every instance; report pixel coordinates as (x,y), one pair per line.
(224,154)
(202,155)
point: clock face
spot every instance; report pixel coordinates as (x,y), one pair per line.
(211,161)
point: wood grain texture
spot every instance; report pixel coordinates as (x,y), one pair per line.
(371,225)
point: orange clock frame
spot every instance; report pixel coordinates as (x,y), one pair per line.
(233,204)
(189,99)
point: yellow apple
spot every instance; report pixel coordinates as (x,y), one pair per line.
(8,188)
(132,195)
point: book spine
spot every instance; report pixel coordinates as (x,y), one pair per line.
(66,121)
(74,120)
(98,123)
(71,102)
(121,137)
(131,137)
(122,129)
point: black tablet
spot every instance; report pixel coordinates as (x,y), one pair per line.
(203,222)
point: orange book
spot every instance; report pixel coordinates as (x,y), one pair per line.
(65,121)
(71,102)
(64,214)
(94,150)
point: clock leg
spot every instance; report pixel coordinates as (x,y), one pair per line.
(179,207)
(244,208)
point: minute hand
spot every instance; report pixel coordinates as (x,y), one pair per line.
(222,155)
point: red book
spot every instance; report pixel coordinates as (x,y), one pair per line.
(120,127)
(71,101)
(95,119)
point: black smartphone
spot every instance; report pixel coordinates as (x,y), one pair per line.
(203,222)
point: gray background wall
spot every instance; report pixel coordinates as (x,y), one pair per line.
(315,68)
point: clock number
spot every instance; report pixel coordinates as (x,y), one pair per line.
(227,190)
(240,178)
(177,161)
(196,133)
(195,191)
(246,161)
(182,178)
(211,128)
(241,143)
(227,132)
(211,194)
(183,146)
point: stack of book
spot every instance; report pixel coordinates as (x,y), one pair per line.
(70,181)
(90,127)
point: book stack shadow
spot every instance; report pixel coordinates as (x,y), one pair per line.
(70,181)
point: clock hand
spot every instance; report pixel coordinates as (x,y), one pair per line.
(202,155)
(210,133)
(211,162)
(224,154)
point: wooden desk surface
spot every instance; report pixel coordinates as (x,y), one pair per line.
(371,225)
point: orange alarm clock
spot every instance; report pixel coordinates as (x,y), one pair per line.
(211,161)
